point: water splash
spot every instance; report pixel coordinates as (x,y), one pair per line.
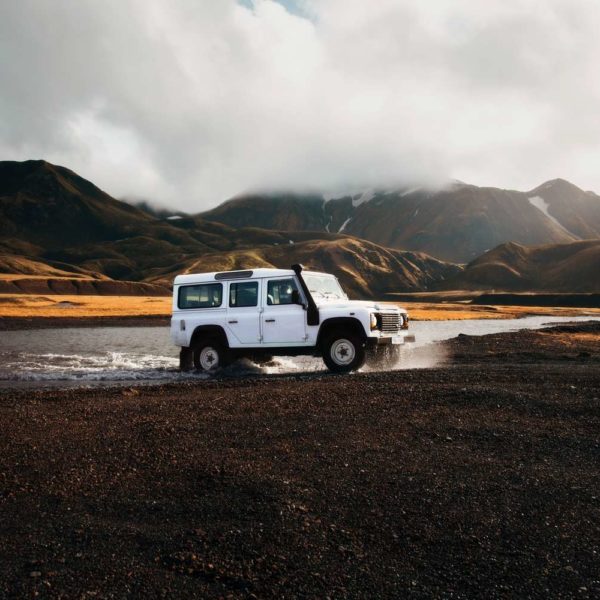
(104,366)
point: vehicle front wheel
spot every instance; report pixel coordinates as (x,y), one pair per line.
(210,355)
(344,352)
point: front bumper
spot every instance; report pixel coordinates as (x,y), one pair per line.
(396,340)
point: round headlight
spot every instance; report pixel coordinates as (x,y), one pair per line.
(373,321)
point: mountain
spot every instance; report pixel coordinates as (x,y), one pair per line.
(52,206)
(59,231)
(364,269)
(456,224)
(574,210)
(572,267)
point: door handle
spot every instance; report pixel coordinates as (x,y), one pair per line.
(269,320)
(232,321)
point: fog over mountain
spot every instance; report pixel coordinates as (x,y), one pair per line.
(187,103)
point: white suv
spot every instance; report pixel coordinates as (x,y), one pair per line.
(218,317)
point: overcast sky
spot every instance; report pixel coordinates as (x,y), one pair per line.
(187,103)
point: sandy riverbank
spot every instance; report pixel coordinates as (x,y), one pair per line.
(476,479)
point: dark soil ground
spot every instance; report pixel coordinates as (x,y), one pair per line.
(478,479)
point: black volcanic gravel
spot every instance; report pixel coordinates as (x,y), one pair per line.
(480,479)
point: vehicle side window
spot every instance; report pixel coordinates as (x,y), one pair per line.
(279,291)
(244,293)
(202,295)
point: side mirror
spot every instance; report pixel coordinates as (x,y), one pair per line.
(296,297)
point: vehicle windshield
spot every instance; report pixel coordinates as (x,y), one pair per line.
(324,286)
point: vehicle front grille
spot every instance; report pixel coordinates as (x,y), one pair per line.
(390,322)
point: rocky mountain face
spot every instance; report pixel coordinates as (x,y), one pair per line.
(456,224)
(56,225)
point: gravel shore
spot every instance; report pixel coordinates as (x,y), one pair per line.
(477,479)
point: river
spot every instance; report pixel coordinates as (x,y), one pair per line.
(115,355)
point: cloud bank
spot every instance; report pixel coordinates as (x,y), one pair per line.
(189,102)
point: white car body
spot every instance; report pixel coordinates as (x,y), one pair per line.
(251,312)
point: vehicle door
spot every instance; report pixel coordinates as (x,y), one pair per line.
(243,313)
(283,321)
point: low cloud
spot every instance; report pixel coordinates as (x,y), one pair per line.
(187,103)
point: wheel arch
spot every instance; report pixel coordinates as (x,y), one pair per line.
(340,323)
(209,331)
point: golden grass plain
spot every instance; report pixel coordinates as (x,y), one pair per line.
(81,306)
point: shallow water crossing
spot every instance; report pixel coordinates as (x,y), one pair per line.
(113,355)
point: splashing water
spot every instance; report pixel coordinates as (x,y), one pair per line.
(103,366)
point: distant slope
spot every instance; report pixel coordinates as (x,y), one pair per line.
(20,265)
(365,270)
(456,224)
(52,206)
(572,267)
(577,211)
(287,212)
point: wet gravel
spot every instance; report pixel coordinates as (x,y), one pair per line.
(477,479)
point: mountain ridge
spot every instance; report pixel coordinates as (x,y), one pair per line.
(60,232)
(572,267)
(457,223)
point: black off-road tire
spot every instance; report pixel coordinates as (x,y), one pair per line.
(210,354)
(344,352)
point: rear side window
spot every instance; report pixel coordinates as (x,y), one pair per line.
(243,294)
(279,291)
(202,295)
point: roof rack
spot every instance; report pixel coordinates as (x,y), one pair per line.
(233,275)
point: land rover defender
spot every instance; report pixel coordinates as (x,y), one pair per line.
(219,317)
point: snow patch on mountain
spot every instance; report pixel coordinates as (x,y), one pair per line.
(542,206)
(344,225)
(366,196)
(358,196)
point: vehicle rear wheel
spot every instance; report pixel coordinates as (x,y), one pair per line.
(210,355)
(344,352)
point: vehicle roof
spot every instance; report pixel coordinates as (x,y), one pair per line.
(256,274)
